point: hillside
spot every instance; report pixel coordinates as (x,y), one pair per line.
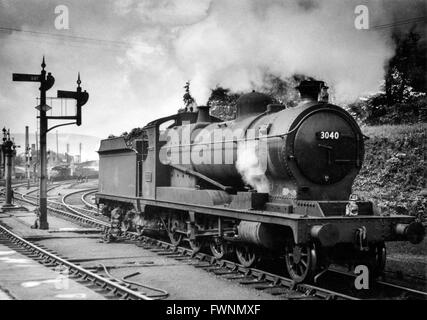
(393,173)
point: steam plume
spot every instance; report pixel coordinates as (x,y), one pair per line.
(248,165)
(236,43)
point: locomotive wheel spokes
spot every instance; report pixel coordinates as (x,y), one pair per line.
(196,245)
(139,230)
(301,262)
(246,255)
(174,236)
(218,248)
(126,225)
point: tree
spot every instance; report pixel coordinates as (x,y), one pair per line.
(406,71)
(402,96)
(189,102)
(283,90)
(223,103)
(135,133)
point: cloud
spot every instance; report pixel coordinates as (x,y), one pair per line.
(154,46)
(238,43)
(173,12)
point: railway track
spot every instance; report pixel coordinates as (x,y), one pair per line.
(384,289)
(75,208)
(72,213)
(87,203)
(107,284)
(258,279)
(2,189)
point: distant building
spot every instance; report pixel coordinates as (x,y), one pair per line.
(19,172)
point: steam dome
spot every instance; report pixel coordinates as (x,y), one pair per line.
(252,103)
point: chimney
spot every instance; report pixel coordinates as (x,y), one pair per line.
(310,89)
(203,114)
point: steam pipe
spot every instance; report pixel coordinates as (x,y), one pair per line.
(201,176)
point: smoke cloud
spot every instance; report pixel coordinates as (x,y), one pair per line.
(234,44)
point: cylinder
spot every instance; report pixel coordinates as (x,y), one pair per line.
(260,234)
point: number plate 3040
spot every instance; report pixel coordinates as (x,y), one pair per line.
(328,135)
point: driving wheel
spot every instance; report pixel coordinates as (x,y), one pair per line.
(301,262)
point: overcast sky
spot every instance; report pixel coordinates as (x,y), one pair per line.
(154,46)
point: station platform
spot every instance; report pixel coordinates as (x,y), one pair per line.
(22,278)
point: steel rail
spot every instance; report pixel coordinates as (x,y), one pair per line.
(14,186)
(273,280)
(420,294)
(272,277)
(84,195)
(403,288)
(75,215)
(74,207)
(115,288)
(276,280)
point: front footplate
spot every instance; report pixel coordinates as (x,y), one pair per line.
(329,231)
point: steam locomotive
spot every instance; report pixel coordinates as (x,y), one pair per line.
(275,183)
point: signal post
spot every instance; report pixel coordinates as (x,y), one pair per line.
(8,148)
(46,82)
